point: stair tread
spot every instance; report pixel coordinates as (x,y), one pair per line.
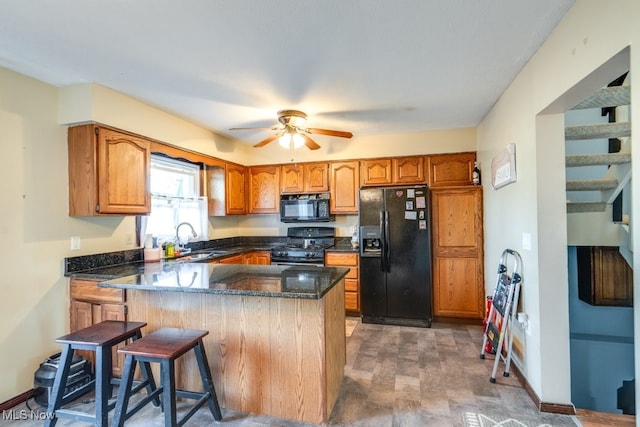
(603,159)
(591,184)
(607,97)
(577,207)
(603,130)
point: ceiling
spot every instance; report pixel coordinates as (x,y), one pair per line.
(366,66)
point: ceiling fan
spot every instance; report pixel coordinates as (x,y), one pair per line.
(293,134)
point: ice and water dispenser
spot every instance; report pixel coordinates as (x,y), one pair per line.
(370,241)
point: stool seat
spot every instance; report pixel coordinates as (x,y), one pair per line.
(99,338)
(165,343)
(164,346)
(104,333)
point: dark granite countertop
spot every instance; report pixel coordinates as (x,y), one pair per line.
(118,264)
(232,279)
(342,247)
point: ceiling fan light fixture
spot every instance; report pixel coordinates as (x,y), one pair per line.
(291,138)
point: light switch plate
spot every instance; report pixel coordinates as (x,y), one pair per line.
(526,241)
(75,243)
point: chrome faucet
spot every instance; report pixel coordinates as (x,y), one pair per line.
(193,231)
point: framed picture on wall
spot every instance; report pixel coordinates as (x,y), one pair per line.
(503,167)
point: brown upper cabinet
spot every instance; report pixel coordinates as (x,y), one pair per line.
(408,170)
(344,181)
(392,171)
(304,178)
(264,182)
(446,170)
(225,183)
(108,172)
(376,172)
(316,177)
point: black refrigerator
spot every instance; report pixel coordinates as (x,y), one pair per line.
(395,256)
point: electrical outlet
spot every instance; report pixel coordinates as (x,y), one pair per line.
(75,243)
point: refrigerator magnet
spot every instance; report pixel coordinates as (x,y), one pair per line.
(421,202)
(420,214)
(412,215)
(422,224)
(408,205)
(411,193)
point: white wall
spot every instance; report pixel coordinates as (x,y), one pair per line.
(590,34)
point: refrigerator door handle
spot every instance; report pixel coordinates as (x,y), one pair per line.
(386,265)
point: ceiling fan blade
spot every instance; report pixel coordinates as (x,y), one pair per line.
(272,128)
(267,140)
(338,133)
(310,143)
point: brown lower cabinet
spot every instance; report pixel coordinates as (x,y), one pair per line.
(91,304)
(352,279)
(458,254)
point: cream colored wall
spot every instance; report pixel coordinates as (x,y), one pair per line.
(590,34)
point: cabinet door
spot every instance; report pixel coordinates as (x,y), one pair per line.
(292,179)
(376,172)
(114,312)
(235,259)
(258,258)
(81,315)
(408,170)
(123,173)
(446,170)
(235,189)
(458,287)
(344,184)
(316,177)
(264,182)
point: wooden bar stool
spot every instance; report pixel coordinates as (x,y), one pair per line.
(164,346)
(99,338)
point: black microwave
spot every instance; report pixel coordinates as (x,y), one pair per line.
(305,208)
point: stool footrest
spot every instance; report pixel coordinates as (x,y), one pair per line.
(203,398)
(76,415)
(142,403)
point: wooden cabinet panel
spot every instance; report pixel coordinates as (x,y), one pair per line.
(445,170)
(235,189)
(264,183)
(604,277)
(457,241)
(456,289)
(408,170)
(88,290)
(292,178)
(304,178)
(91,304)
(316,177)
(352,280)
(258,257)
(234,259)
(376,172)
(344,184)
(108,172)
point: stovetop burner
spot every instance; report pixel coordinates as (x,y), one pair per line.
(305,244)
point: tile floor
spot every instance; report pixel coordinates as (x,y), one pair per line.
(396,376)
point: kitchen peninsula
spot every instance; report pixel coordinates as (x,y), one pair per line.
(276,342)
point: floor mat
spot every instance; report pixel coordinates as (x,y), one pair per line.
(472,419)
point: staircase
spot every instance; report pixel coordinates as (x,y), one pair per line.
(618,172)
(598,160)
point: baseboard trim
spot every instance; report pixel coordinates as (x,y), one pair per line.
(555,408)
(16,400)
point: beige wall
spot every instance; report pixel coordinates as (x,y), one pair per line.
(559,73)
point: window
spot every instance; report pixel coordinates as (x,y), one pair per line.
(175,198)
